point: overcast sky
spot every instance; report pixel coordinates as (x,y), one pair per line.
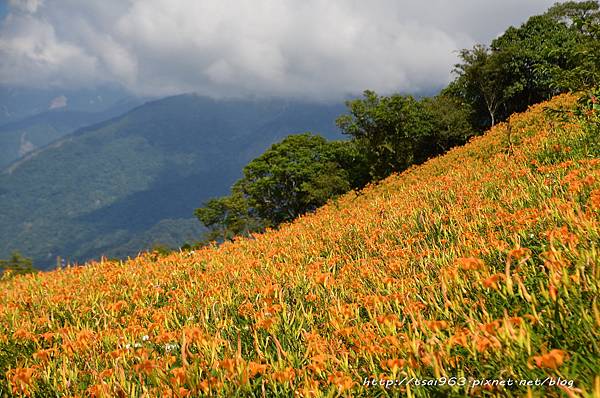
(322,49)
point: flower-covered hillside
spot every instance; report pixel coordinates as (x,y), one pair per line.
(480,264)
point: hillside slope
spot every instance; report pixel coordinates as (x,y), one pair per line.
(120,186)
(480,264)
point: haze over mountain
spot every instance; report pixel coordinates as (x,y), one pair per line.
(21,101)
(122,185)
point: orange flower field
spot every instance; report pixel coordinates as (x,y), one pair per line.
(476,273)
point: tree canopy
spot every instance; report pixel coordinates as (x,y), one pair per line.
(397,131)
(294,176)
(551,53)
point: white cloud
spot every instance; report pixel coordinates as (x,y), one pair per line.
(34,55)
(310,48)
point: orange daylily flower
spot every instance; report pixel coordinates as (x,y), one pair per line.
(470,263)
(552,360)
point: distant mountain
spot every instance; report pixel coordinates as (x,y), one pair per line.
(21,137)
(122,185)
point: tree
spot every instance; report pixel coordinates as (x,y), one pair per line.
(452,122)
(583,17)
(537,54)
(388,129)
(351,158)
(551,53)
(227,217)
(293,177)
(17,264)
(577,14)
(483,80)
(398,131)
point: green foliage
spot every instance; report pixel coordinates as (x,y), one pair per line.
(17,265)
(452,121)
(589,103)
(484,81)
(388,128)
(583,17)
(588,113)
(351,158)
(555,52)
(398,131)
(227,216)
(574,12)
(293,177)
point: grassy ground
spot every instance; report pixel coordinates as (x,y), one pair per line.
(482,264)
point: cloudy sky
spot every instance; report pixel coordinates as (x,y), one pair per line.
(301,48)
